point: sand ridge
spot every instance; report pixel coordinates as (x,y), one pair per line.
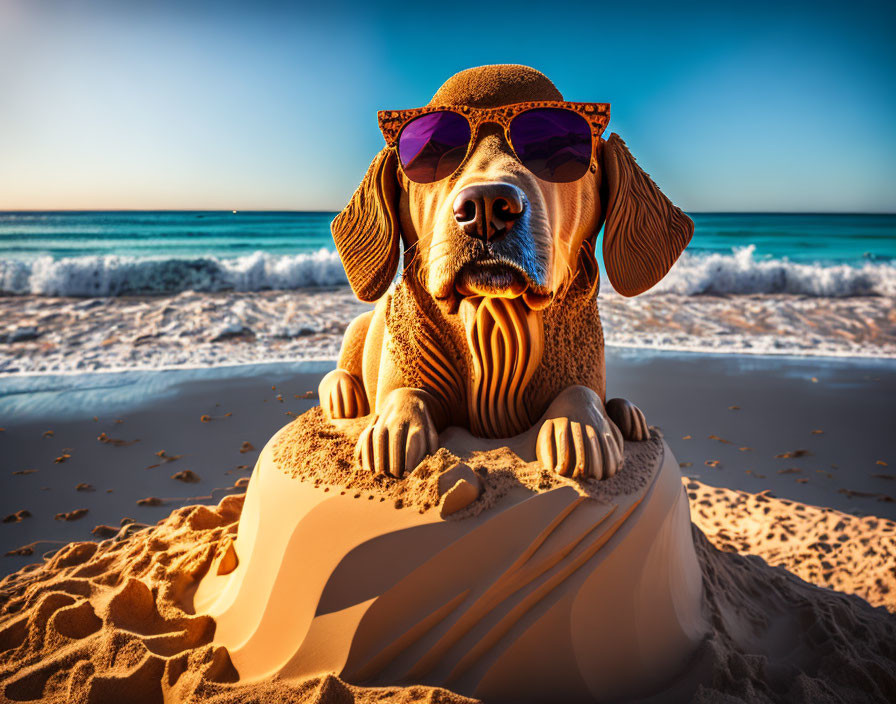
(777,638)
(97,622)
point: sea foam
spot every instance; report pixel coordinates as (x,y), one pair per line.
(741,272)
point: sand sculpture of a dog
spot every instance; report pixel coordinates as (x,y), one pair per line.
(494,324)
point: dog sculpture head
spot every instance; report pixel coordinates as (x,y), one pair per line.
(493,228)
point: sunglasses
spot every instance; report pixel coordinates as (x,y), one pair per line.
(553,139)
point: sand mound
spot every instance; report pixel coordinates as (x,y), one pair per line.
(108,622)
(100,622)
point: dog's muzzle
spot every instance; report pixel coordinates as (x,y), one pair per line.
(501,257)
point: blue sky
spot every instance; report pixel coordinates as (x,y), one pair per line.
(256,105)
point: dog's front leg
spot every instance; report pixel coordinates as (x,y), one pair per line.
(401,435)
(341,392)
(577,437)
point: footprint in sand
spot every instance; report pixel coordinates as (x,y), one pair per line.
(72,515)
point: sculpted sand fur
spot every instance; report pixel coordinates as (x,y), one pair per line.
(495,317)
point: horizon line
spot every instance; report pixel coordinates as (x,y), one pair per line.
(276,210)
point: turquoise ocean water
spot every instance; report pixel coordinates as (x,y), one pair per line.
(122,253)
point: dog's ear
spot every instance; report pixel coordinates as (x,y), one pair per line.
(644,232)
(367,232)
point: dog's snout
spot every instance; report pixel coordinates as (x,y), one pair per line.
(488,210)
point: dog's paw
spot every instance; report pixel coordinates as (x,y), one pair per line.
(628,418)
(580,450)
(402,434)
(342,395)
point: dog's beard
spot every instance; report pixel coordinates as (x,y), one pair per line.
(505,339)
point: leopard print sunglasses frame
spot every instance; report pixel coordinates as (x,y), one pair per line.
(393,122)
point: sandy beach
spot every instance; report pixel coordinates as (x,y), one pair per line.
(787,462)
(813,431)
(115,590)
(180,437)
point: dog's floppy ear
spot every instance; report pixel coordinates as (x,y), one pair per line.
(644,232)
(367,231)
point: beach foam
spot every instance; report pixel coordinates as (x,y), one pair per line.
(44,334)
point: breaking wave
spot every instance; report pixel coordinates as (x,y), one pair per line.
(743,273)
(112,275)
(739,273)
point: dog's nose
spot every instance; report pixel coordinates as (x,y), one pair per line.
(488,210)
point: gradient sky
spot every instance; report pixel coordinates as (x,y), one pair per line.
(108,104)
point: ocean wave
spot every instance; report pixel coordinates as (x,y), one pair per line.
(739,273)
(743,273)
(112,275)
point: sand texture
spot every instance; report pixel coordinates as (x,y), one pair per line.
(781,404)
(111,622)
(309,449)
(852,554)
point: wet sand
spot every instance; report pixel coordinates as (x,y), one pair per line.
(212,425)
(814,430)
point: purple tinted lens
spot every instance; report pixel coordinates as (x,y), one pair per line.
(432,146)
(553,143)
